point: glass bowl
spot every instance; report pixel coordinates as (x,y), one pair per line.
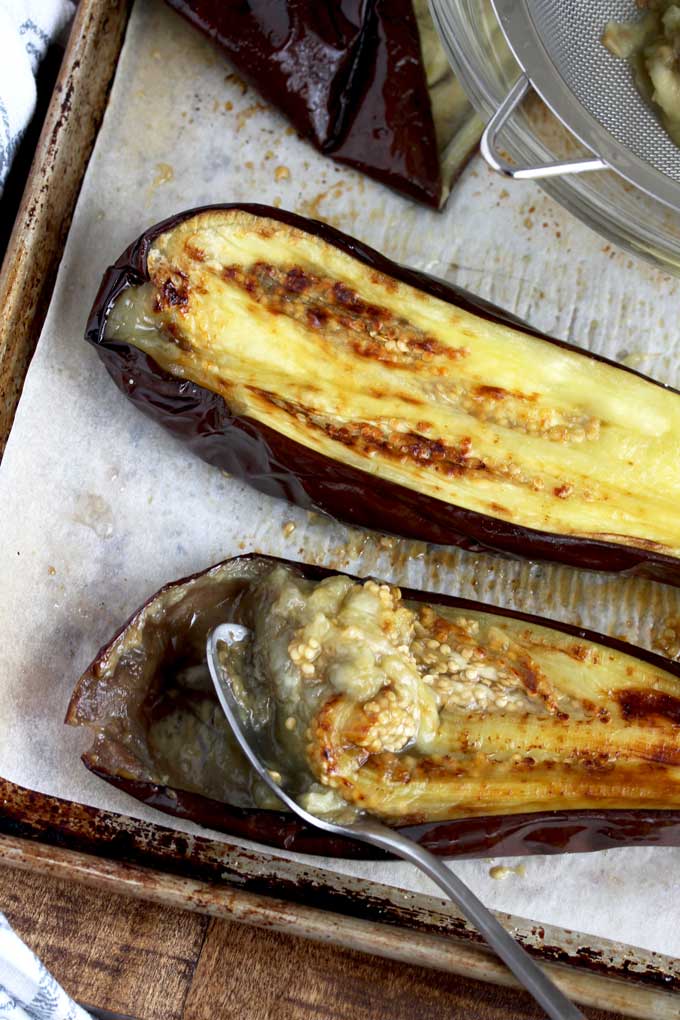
(603,200)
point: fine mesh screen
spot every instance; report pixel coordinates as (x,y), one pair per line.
(571,31)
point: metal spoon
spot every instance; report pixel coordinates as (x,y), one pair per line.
(370,830)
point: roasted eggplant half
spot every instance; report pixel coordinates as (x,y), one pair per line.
(479,729)
(297,358)
(368,83)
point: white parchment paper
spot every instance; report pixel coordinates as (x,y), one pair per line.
(99,506)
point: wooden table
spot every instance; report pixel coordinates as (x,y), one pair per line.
(155,963)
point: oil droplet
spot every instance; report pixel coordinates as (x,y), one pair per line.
(164,174)
(503,871)
(51,571)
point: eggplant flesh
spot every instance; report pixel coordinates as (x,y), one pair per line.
(391,400)
(428,710)
(651,45)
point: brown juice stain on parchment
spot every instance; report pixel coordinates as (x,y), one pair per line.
(234,79)
(311,206)
(320,207)
(243,116)
(632,609)
(164,174)
(93,512)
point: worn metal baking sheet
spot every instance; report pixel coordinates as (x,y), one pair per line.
(150,861)
(34,250)
(122,508)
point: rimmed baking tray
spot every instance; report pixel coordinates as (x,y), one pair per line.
(53,836)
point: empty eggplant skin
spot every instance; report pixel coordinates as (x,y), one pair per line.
(280,466)
(349,77)
(129,694)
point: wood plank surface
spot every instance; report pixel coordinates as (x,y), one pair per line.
(159,963)
(111,951)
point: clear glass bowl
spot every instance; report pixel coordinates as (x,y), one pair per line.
(602,199)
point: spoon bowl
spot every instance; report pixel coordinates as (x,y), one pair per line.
(371,830)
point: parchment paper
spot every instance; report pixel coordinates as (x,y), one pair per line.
(99,507)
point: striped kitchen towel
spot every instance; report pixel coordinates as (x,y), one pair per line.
(27,989)
(27,27)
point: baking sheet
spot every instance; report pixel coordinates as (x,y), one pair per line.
(100,507)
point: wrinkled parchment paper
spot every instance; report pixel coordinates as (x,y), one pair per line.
(99,507)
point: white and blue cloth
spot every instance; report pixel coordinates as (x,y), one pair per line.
(27,989)
(27,27)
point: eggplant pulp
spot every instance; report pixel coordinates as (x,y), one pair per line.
(420,708)
(651,45)
(392,401)
(420,712)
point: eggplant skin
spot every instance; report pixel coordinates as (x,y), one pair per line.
(282,467)
(115,704)
(551,832)
(350,80)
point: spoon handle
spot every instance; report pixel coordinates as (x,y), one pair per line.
(526,970)
(547,994)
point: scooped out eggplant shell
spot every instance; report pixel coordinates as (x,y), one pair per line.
(296,358)
(517,735)
(368,84)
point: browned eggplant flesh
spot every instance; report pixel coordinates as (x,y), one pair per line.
(419,708)
(342,381)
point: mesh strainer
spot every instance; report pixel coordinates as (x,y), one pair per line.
(557,44)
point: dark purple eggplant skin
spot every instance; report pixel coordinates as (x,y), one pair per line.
(283,468)
(545,832)
(550,832)
(349,76)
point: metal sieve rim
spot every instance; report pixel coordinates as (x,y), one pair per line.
(530,52)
